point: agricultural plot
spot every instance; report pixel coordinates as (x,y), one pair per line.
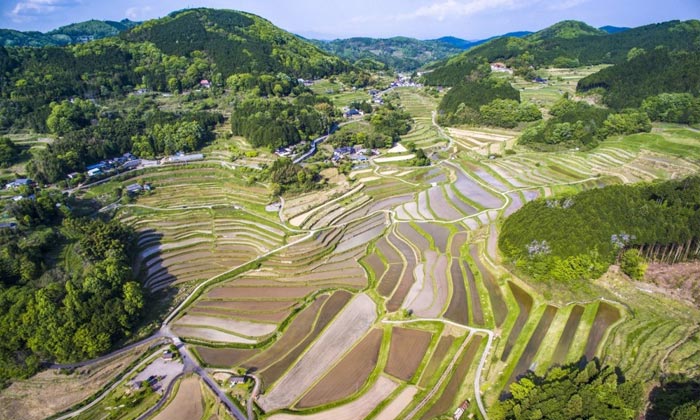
(567,335)
(483,142)
(498,305)
(351,324)
(524,301)
(407,350)
(348,376)
(525,361)
(357,409)
(187,403)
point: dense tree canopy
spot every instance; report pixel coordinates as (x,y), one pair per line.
(572,392)
(575,238)
(646,74)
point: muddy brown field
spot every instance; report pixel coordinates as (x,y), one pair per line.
(388,282)
(525,305)
(498,304)
(439,234)
(567,336)
(438,355)
(299,328)
(274,371)
(407,350)
(477,312)
(223,357)
(604,318)
(230,292)
(348,376)
(187,404)
(534,343)
(457,311)
(446,401)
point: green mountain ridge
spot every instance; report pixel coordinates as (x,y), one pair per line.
(568,44)
(70,34)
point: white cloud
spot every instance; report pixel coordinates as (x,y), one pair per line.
(137,13)
(30,9)
(452,8)
(565,5)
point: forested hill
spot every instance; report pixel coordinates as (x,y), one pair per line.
(170,54)
(569,44)
(235,42)
(647,73)
(69,34)
(398,53)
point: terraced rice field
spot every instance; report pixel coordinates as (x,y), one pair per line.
(399,243)
(408,347)
(348,376)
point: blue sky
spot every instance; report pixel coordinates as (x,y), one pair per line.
(327,19)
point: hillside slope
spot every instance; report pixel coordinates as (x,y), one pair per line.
(570,44)
(70,34)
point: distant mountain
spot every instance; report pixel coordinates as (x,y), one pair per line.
(65,35)
(567,44)
(398,53)
(457,42)
(613,29)
(567,29)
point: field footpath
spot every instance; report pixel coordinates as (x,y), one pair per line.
(479,369)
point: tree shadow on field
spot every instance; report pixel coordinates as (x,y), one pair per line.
(673,391)
(154,277)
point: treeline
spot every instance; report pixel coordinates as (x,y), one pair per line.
(90,135)
(572,239)
(579,124)
(645,74)
(572,392)
(385,126)
(486,100)
(53,310)
(69,34)
(276,122)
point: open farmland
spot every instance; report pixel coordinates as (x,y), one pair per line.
(408,347)
(187,403)
(391,243)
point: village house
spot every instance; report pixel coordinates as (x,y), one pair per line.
(19,182)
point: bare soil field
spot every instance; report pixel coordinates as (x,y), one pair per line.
(275,371)
(232,292)
(457,311)
(436,359)
(524,301)
(392,257)
(262,317)
(49,392)
(223,357)
(407,350)
(533,344)
(376,265)
(604,318)
(407,280)
(388,282)
(348,376)
(208,334)
(567,336)
(298,328)
(187,404)
(398,404)
(446,401)
(680,280)
(351,324)
(498,304)
(458,240)
(355,410)
(250,329)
